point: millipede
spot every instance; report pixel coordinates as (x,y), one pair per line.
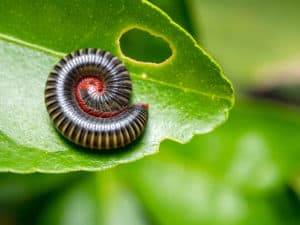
(87,96)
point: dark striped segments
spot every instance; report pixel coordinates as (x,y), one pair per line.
(87,96)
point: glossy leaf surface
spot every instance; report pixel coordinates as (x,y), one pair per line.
(187,93)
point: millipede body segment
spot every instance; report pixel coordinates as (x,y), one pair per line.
(87,96)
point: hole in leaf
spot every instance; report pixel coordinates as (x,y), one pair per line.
(142,46)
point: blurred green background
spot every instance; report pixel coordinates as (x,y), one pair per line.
(244,172)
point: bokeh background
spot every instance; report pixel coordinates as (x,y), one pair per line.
(247,171)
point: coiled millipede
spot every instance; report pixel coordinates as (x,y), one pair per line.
(87,97)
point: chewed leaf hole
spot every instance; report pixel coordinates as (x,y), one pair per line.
(142,46)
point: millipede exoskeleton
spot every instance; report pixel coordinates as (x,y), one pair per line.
(87,97)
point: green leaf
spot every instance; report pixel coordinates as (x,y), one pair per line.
(178,11)
(187,93)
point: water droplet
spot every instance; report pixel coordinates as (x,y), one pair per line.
(144,76)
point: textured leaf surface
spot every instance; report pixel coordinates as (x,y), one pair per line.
(187,93)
